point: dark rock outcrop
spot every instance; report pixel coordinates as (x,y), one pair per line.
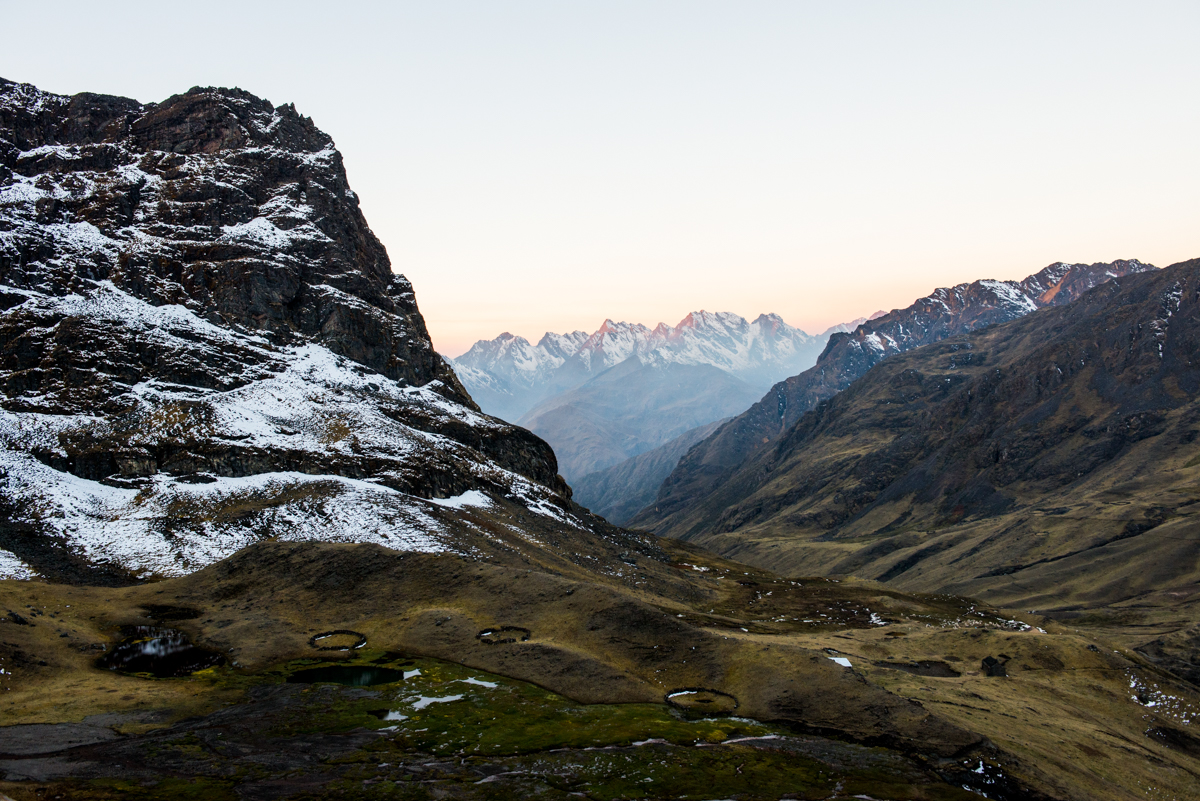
(215,200)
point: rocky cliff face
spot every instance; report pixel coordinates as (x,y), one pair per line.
(213,200)
(847,357)
(203,344)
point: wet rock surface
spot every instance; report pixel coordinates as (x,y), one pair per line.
(47,738)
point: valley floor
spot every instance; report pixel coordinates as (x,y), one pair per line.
(482,681)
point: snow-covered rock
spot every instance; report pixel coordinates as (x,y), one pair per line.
(202,345)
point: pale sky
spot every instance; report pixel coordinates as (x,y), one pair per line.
(537,166)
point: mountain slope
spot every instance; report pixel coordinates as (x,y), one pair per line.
(202,344)
(1050,462)
(943,313)
(632,408)
(619,492)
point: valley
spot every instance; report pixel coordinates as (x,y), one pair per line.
(464,717)
(1020,464)
(605,399)
(259,540)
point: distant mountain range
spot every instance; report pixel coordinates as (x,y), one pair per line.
(507,376)
(602,398)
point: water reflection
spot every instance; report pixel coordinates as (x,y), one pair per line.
(163,653)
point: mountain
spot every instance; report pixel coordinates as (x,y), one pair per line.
(619,492)
(1046,463)
(338,578)
(679,507)
(203,345)
(632,408)
(508,376)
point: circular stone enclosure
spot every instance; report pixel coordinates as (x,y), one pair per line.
(503,635)
(338,640)
(702,701)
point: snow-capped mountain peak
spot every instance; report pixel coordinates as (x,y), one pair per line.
(507,376)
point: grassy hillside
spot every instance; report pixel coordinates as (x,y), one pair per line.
(728,686)
(1050,463)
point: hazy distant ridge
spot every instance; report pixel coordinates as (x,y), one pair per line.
(508,376)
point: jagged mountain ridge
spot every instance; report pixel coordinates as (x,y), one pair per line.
(202,344)
(508,376)
(620,491)
(847,357)
(1049,462)
(845,328)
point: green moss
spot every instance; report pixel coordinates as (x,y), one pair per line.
(506,739)
(510,718)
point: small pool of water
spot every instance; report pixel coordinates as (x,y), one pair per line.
(350,675)
(163,653)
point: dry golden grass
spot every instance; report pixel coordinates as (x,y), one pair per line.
(1064,717)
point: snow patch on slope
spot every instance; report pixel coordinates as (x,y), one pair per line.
(12,567)
(301,400)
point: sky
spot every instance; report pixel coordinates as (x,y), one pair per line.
(535,166)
